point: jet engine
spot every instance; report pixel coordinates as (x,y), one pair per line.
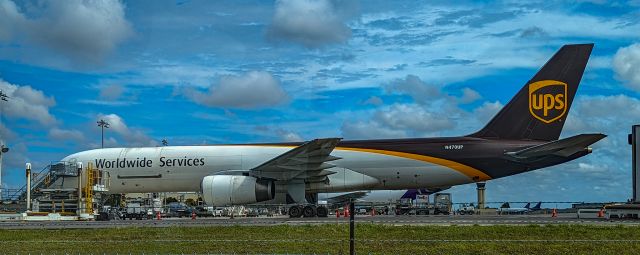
(224,190)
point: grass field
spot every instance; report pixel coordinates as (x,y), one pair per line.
(328,239)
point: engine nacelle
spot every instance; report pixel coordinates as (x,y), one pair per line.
(224,190)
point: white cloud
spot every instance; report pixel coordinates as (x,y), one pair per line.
(25,102)
(311,23)
(433,113)
(487,110)
(626,64)
(111,92)
(66,135)
(596,114)
(277,132)
(83,30)
(439,118)
(369,130)
(6,133)
(472,49)
(469,96)
(289,136)
(10,19)
(111,95)
(108,103)
(251,90)
(412,85)
(412,117)
(374,100)
(133,137)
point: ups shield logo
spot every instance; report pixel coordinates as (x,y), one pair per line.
(548,100)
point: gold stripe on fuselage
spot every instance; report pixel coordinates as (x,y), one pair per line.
(471,172)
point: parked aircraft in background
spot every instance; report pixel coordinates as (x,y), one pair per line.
(507,209)
(536,207)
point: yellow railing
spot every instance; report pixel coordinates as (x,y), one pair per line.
(88,189)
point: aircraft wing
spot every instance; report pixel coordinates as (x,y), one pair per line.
(563,147)
(345,198)
(307,161)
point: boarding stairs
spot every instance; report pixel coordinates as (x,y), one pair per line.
(55,188)
(47,179)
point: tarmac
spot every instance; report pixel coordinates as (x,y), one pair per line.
(439,220)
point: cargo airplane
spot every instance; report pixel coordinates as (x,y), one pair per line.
(522,137)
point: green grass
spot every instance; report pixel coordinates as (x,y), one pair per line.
(328,239)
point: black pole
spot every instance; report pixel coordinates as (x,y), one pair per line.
(635,132)
(102,128)
(352,228)
(102,124)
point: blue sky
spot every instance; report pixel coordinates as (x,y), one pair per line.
(204,72)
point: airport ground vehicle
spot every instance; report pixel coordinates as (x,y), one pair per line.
(136,211)
(421,205)
(467,209)
(218,212)
(178,209)
(203,211)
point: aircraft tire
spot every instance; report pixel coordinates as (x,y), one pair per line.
(295,211)
(322,212)
(309,211)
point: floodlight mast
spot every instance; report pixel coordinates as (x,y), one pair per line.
(3,149)
(103,124)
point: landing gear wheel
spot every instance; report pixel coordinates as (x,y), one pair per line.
(322,212)
(295,211)
(309,211)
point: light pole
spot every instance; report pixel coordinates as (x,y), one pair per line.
(103,124)
(3,148)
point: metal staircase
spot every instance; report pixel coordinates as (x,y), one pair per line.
(47,178)
(55,189)
(43,177)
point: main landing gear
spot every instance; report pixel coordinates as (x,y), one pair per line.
(308,211)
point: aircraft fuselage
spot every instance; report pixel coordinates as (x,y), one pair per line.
(367,164)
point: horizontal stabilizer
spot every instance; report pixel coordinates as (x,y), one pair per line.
(562,148)
(412,193)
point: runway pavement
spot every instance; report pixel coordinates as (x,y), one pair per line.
(269,221)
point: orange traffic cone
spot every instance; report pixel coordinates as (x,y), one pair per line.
(554,213)
(193,215)
(346,212)
(158,217)
(601,213)
(337,213)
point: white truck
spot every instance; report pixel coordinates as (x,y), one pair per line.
(421,206)
(467,209)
